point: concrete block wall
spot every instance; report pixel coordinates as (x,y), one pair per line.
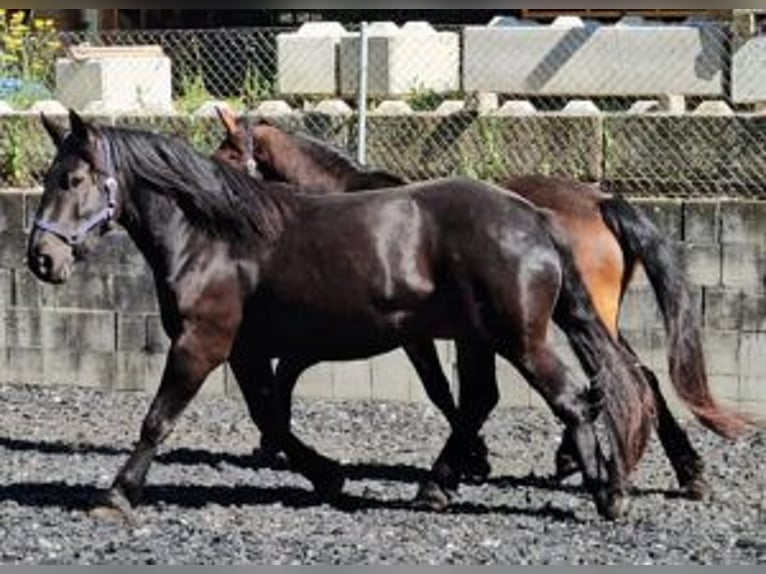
(102,328)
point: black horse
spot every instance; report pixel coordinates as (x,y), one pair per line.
(315,278)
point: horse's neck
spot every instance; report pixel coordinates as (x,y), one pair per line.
(159,229)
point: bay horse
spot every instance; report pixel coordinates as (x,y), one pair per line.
(608,236)
(247,271)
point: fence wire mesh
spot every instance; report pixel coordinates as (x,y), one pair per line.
(645,108)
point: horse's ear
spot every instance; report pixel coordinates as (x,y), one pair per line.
(54,130)
(78,126)
(227,119)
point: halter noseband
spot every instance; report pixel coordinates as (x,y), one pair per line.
(99,219)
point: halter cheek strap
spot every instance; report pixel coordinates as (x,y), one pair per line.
(99,219)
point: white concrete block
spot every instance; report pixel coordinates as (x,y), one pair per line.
(748,64)
(402,60)
(116,79)
(307,59)
(572,57)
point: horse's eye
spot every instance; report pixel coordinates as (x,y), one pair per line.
(75,181)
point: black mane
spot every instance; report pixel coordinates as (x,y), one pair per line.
(214,196)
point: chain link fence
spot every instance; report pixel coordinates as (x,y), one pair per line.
(646,108)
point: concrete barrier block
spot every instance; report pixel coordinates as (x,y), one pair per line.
(116,79)
(639,310)
(726,387)
(575,58)
(753,368)
(748,83)
(138,371)
(27,289)
(351,380)
(307,59)
(403,60)
(392,375)
(115,254)
(744,265)
(703,263)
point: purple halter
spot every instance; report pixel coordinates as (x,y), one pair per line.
(99,219)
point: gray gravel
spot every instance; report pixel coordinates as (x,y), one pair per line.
(205,503)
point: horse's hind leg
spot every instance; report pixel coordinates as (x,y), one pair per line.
(570,401)
(425,359)
(686,462)
(265,403)
(478,396)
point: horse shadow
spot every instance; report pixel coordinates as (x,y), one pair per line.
(84,497)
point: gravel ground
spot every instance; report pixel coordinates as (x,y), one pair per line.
(205,503)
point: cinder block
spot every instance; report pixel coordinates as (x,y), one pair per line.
(722,352)
(514,389)
(307,59)
(115,254)
(131,332)
(639,310)
(702,221)
(83,290)
(27,289)
(135,294)
(352,380)
(753,312)
(726,388)
(752,364)
(156,339)
(78,368)
(723,309)
(21,366)
(392,375)
(22,328)
(78,331)
(6,288)
(667,215)
(13,240)
(744,222)
(703,263)
(744,265)
(316,382)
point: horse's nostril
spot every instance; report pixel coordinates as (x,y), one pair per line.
(44,263)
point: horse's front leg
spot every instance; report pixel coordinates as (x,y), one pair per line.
(268,408)
(190,359)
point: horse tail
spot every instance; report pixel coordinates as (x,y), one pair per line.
(641,240)
(616,381)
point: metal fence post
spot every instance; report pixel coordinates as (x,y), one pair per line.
(361,148)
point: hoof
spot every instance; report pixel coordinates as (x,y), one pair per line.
(696,489)
(270,458)
(431,496)
(329,487)
(613,506)
(566,466)
(114,506)
(477,470)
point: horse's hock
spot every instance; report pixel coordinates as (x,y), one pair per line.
(106,79)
